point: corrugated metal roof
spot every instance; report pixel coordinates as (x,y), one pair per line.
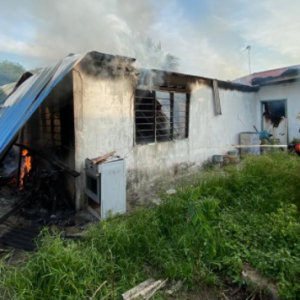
(19,106)
(247,80)
(5,90)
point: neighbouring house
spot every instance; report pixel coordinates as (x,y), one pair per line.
(278,103)
(163,124)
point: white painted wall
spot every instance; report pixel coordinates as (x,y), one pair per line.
(290,92)
(103,116)
(104,121)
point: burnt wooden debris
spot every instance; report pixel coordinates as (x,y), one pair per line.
(100,159)
(57,164)
(40,194)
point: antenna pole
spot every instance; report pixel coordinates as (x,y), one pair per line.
(249,58)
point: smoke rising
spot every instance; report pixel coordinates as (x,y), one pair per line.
(53,29)
(109,26)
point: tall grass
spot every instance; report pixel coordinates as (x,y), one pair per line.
(201,235)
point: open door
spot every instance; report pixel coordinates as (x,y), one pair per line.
(274,120)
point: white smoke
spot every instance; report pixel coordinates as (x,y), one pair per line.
(53,29)
(68,26)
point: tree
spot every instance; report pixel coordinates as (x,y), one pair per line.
(10,72)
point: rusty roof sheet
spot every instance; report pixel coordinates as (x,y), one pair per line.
(248,80)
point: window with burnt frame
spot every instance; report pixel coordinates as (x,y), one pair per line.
(161,116)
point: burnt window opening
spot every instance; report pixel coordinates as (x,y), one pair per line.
(161,116)
(274,111)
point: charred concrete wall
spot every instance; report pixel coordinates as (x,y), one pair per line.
(152,165)
(103,116)
(289,92)
(104,122)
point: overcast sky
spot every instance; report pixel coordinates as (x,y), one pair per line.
(207,35)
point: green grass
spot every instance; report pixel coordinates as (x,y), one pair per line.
(200,235)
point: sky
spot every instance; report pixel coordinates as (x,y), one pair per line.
(208,36)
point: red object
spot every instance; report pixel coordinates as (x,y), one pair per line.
(297,148)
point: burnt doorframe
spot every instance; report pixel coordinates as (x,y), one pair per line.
(262,102)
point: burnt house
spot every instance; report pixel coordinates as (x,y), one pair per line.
(163,124)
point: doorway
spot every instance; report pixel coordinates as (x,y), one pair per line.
(274,119)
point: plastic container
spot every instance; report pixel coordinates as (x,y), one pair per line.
(233,152)
(249,138)
(274,142)
(218,159)
(265,150)
(226,160)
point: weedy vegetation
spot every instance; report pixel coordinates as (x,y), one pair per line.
(200,235)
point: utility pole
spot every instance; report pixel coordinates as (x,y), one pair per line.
(249,58)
